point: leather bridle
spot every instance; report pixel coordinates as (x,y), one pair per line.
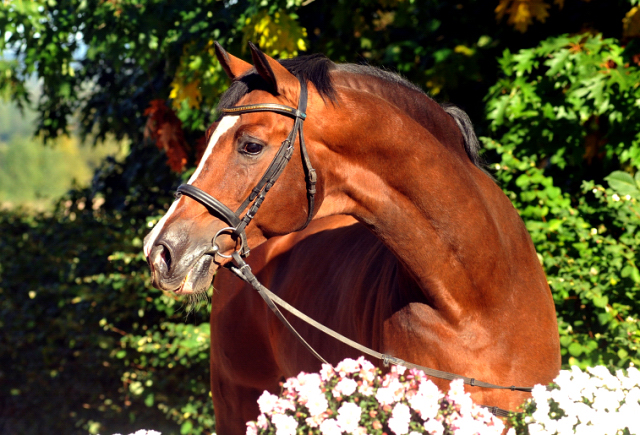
(237,224)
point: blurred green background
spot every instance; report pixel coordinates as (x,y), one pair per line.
(117,94)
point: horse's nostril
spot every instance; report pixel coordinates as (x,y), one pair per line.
(160,257)
(166,256)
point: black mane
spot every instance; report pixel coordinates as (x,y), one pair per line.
(316,69)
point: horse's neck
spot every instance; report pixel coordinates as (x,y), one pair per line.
(440,215)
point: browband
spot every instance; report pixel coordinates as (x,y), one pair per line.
(265,107)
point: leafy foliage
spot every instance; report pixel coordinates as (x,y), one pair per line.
(80,317)
(564,116)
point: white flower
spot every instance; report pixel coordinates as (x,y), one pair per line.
(346,387)
(317,404)
(252,428)
(349,417)
(283,405)
(615,197)
(400,417)
(608,380)
(366,365)
(459,397)
(326,372)
(267,402)
(427,407)
(262,422)
(314,421)
(330,427)
(310,387)
(433,427)
(399,369)
(430,390)
(537,429)
(395,388)
(366,389)
(384,396)
(285,424)
(348,365)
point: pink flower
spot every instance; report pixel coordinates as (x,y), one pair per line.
(400,417)
(349,417)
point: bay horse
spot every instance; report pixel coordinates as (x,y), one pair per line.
(411,248)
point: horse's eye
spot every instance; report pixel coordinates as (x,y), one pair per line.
(252,148)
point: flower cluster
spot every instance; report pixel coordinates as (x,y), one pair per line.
(355,398)
(590,402)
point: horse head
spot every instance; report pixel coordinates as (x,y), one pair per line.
(243,147)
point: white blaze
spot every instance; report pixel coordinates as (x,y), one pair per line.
(224,126)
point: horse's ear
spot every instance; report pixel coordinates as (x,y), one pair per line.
(270,69)
(233,66)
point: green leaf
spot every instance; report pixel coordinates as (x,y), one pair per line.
(575,349)
(557,62)
(600,301)
(623,183)
(186,427)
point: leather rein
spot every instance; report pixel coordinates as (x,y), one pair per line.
(237,225)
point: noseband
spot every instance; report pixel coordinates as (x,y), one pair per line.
(237,224)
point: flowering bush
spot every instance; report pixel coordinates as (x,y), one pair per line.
(591,402)
(355,398)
